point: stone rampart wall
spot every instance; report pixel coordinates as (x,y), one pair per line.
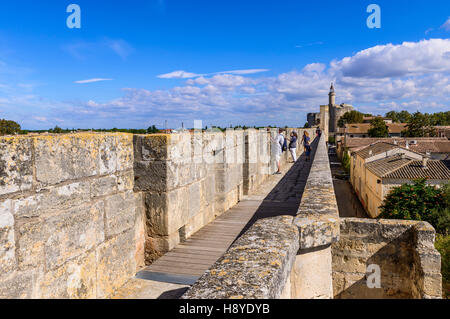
(190,178)
(403,250)
(70,224)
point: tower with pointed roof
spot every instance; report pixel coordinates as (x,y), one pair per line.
(331,113)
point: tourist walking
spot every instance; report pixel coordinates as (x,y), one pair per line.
(278,149)
(318,132)
(305,140)
(293,146)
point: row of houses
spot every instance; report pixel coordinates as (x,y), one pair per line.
(377,167)
(394,129)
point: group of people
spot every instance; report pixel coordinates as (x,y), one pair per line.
(281,146)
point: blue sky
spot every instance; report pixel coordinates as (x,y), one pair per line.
(137,63)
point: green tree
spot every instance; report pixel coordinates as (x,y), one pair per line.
(440,119)
(9,127)
(378,128)
(399,117)
(350,117)
(419,125)
(152,129)
(415,201)
(57,130)
(393,116)
(306,125)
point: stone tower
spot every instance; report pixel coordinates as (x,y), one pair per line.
(331,113)
(331,96)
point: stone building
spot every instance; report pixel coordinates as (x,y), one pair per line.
(376,169)
(329,114)
(437,147)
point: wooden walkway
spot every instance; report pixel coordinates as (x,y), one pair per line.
(191,258)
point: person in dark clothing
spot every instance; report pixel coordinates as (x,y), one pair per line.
(318,132)
(293,146)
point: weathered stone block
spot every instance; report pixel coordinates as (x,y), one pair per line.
(120,213)
(65,157)
(432,285)
(75,279)
(125,181)
(150,176)
(104,186)
(151,147)
(125,155)
(51,200)
(7,241)
(116,152)
(16,167)
(72,233)
(17,285)
(115,263)
(31,237)
(196,200)
(167,212)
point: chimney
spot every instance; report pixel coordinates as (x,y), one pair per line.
(407,145)
(424,161)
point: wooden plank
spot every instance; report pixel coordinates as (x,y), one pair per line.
(208,245)
(202,248)
(214,237)
(177,265)
(192,250)
(193,272)
(190,258)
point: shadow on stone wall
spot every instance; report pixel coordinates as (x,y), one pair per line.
(404,251)
(396,262)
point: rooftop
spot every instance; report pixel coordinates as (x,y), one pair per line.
(434,170)
(389,164)
(377,148)
(421,145)
(363,128)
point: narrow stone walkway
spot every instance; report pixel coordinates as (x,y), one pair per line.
(171,275)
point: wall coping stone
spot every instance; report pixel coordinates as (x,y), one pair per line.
(318,216)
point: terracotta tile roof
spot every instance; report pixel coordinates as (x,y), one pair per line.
(386,165)
(363,128)
(439,170)
(423,144)
(375,149)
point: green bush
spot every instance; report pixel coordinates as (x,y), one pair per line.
(9,127)
(416,201)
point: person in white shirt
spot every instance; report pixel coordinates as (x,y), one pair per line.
(278,149)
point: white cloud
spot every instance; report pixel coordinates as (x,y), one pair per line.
(187,75)
(249,71)
(406,59)
(178,75)
(446,25)
(92,80)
